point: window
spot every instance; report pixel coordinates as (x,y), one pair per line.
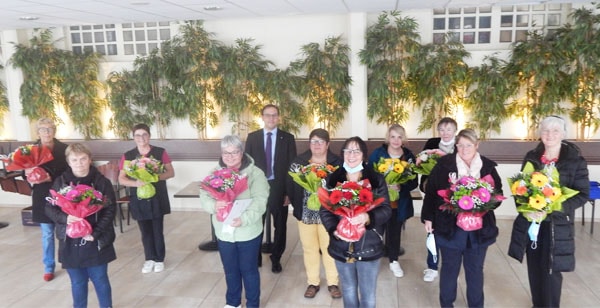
(119,39)
(463,25)
(516,21)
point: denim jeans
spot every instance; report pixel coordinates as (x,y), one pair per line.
(48,243)
(357,278)
(79,285)
(240,262)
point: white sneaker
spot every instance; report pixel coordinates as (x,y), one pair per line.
(396,269)
(148,266)
(429,275)
(229,306)
(159,267)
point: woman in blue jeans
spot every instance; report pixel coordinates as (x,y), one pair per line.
(239,241)
(357,262)
(86,258)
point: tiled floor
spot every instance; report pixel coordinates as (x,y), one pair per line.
(195,279)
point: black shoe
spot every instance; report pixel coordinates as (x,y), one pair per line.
(259,261)
(276,267)
(401,251)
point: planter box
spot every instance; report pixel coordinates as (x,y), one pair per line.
(26,217)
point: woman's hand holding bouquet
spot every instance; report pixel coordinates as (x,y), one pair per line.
(426,160)
(311,177)
(470,198)
(224,185)
(349,200)
(538,193)
(79,201)
(147,170)
(396,173)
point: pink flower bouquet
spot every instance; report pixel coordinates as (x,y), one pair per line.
(224,185)
(79,201)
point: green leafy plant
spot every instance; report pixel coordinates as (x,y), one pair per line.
(323,80)
(389,54)
(4,106)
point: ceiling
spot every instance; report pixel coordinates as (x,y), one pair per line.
(26,14)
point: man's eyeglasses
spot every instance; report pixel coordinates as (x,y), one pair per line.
(231,154)
(317,141)
(352,151)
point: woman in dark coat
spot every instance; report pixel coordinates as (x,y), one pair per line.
(86,258)
(149,213)
(457,245)
(46,130)
(402,209)
(555,251)
(358,262)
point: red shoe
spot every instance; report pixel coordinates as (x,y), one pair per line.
(48,276)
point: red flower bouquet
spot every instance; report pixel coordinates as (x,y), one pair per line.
(470,199)
(79,201)
(347,200)
(224,185)
(30,156)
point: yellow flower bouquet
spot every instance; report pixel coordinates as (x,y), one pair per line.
(396,172)
(538,193)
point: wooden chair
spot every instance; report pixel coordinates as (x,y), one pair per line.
(111,171)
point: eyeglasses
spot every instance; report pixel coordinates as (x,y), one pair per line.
(46,130)
(464,145)
(551,132)
(317,141)
(231,154)
(141,136)
(351,151)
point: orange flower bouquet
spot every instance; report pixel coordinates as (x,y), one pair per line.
(347,200)
(310,177)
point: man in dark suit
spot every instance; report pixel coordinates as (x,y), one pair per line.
(275,163)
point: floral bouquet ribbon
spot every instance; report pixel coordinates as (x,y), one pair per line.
(224,184)
(426,160)
(396,172)
(79,201)
(347,200)
(30,156)
(537,194)
(470,198)
(147,170)
(311,177)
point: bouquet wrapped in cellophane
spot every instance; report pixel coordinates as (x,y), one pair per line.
(79,201)
(311,177)
(426,160)
(147,170)
(30,156)
(347,200)
(395,172)
(470,198)
(538,193)
(224,184)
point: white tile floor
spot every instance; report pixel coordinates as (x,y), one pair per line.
(193,278)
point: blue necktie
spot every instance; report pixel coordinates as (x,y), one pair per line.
(268,155)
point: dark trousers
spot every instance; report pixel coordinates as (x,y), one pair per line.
(153,239)
(545,286)
(279,214)
(241,271)
(472,260)
(393,231)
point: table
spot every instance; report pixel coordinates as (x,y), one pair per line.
(192,190)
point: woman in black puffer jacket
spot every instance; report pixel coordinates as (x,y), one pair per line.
(358,262)
(555,251)
(86,258)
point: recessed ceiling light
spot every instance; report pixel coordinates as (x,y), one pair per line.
(29,18)
(212,8)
